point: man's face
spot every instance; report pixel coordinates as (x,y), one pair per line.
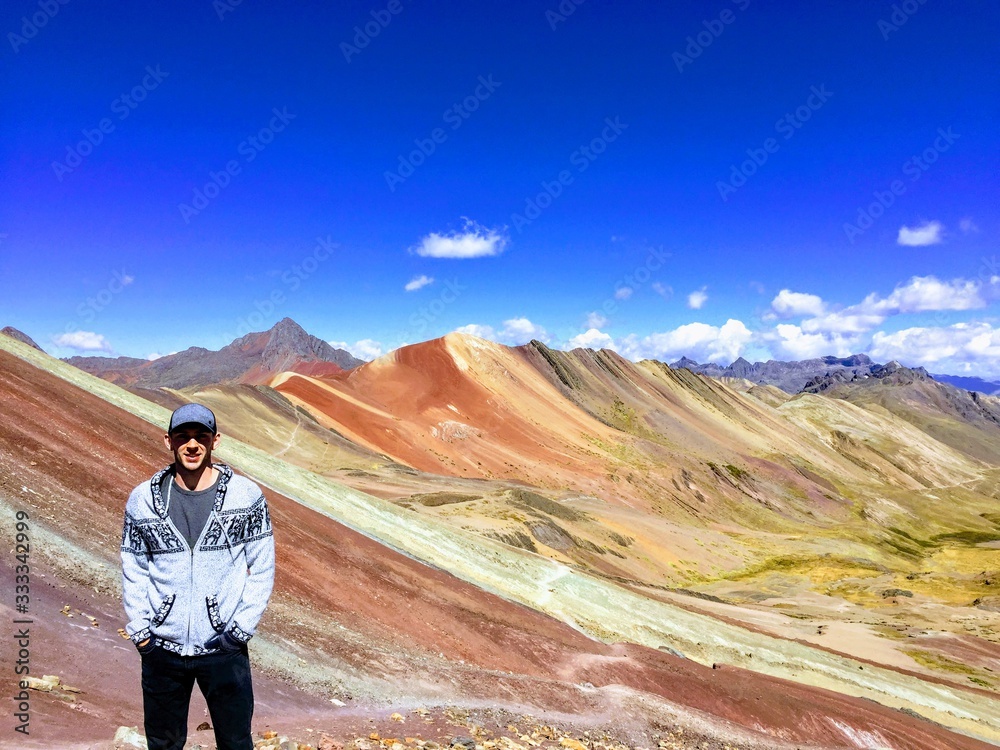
(192,446)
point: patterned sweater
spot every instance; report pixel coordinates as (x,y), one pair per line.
(181,596)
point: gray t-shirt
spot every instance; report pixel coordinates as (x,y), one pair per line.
(189,510)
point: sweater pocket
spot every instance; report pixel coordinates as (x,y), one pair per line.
(212,604)
(163,610)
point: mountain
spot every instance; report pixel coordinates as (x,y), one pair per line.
(788,376)
(254,359)
(989,387)
(967,421)
(19,336)
(891,373)
(607,464)
(391,609)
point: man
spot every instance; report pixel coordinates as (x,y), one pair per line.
(197,571)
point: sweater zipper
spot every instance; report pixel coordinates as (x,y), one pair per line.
(187,638)
(190,595)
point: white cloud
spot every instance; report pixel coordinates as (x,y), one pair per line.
(789,304)
(664,290)
(919,294)
(967,225)
(959,348)
(474,329)
(699,341)
(418,282)
(520,331)
(592,339)
(515,331)
(848,320)
(474,241)
(623,292)
(924,293)
(368,349)
(928,233)
(83,341)
(596,320)
(795,343)
(697,298)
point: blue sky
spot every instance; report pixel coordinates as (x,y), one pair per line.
(712,179)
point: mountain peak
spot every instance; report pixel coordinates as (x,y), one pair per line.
(890,374)
(20,336)
(741,368)
(684,362)
(287,324)
(790,377)
(899,372)
(253,358)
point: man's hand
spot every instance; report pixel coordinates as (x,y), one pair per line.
(224,642)
(145,646)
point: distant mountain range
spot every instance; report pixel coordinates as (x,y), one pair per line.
(254,358)
(967,421)
(988,387)
(287,347)
(790,377)
(793,377)
(892,373)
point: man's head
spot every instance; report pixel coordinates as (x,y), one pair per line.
(191,436)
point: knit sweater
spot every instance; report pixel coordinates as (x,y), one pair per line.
(179,595)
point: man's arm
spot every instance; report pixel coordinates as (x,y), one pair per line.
(260,577)
(135,580)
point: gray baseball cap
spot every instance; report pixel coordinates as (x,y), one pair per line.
(192,414)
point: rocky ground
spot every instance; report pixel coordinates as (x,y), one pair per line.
(454,728)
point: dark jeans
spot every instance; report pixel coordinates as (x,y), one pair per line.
(224,679)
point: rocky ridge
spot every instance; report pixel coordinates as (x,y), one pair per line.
(20,336)
(254,358)
(790,377)
(891,373)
